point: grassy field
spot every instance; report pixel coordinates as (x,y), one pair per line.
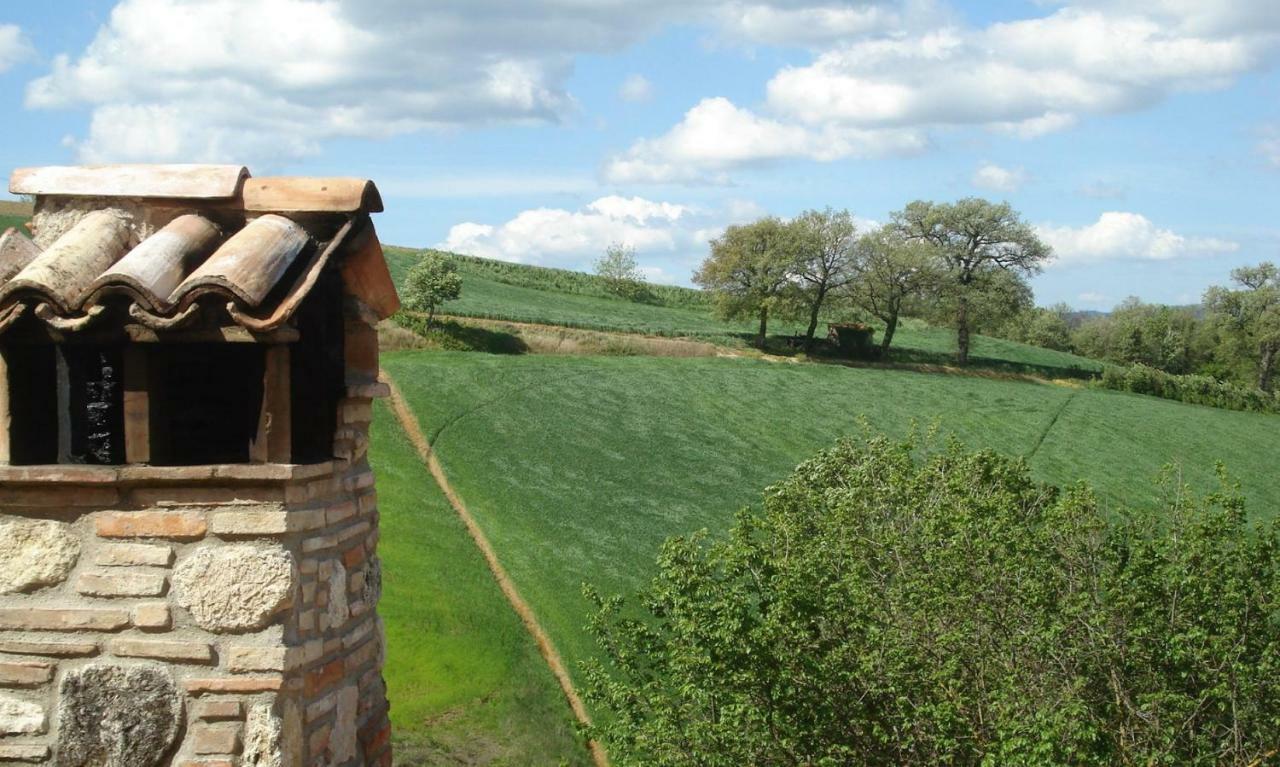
(13,213)
(915,341)
(466,683)
(579,467)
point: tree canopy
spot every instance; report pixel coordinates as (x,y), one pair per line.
(974,238)
(431,282)
(749,270)
(893,603)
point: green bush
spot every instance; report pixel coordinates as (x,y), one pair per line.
(895,605)
(1193,389)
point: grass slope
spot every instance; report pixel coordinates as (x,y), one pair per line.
(466,684)
(483,296)
(579,467)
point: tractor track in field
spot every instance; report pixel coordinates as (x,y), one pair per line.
(1049,426)
(409,423)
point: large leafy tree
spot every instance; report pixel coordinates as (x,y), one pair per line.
(890,272)
(1250,317)
(973,238)
(431,282)
(749,270)
(826,251)
(892,607)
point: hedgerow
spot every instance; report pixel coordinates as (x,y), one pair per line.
(1193,389)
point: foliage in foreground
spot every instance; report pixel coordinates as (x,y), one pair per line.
(1192,389)
(888,607)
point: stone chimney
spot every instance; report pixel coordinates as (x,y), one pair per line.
(188,520)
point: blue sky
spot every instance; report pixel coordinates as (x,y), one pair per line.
(1141,136)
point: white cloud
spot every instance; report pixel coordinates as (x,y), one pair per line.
(636,88)
(1126,236)
(274,79)
(997,179)
(869,88)
(13,46)
(562,237)
(1092,298)
(1103,190)
(805,24)
(716,136)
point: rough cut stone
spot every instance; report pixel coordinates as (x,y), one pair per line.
(372,591)
(270,739)
(134,554)
(25,673)
(235,588)
(23,752)
(35,552)
(337,608)
(131,584)
(343,739)
(117,716)
(20,717)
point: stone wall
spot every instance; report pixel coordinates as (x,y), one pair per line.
(206,615)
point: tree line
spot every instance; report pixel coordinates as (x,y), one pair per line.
(1232,335)
(964,264)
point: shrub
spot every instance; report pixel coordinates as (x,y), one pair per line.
(1193,389)
(890,605)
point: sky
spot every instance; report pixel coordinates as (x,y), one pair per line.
(1140,137)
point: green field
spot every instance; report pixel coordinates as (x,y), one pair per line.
(483,296)
(466,683)
(579,467)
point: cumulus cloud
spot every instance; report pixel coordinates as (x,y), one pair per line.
(716,136)
(233,79)
(13,46)
(1025,78)
(997,179)
(560,237)
(636,88)
(1126,236)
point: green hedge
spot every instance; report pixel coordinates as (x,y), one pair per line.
(1192,389)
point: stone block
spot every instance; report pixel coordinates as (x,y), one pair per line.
(134,555)
(25,673)
(242,658)
(178,652)
(235,588)
(23,752)
(131,584)
(20,717)
(123,716)
(222,738)
(55,649)
(235,685)
(178,525)
(155,615)
(269,519)
(35,553)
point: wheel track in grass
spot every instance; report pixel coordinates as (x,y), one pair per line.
(409,423)
(1049,426)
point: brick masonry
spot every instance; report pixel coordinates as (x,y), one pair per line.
(251,589)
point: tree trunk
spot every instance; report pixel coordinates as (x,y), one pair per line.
(1267,366)
(890,325)
(764,327)
(962,331)
(431,315)
(813,319)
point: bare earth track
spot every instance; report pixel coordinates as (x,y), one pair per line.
(409,422)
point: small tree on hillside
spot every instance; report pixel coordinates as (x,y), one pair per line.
(431,282)
(891,271)
(972,237)
(749,270)
(1250,317)
(826,250)
(620,271)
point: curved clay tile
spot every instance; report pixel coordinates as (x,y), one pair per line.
(61,274)
(249,264)
(152,271)
(200,182)
(287,194)
(16,252)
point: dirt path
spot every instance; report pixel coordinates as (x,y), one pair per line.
(409,422)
